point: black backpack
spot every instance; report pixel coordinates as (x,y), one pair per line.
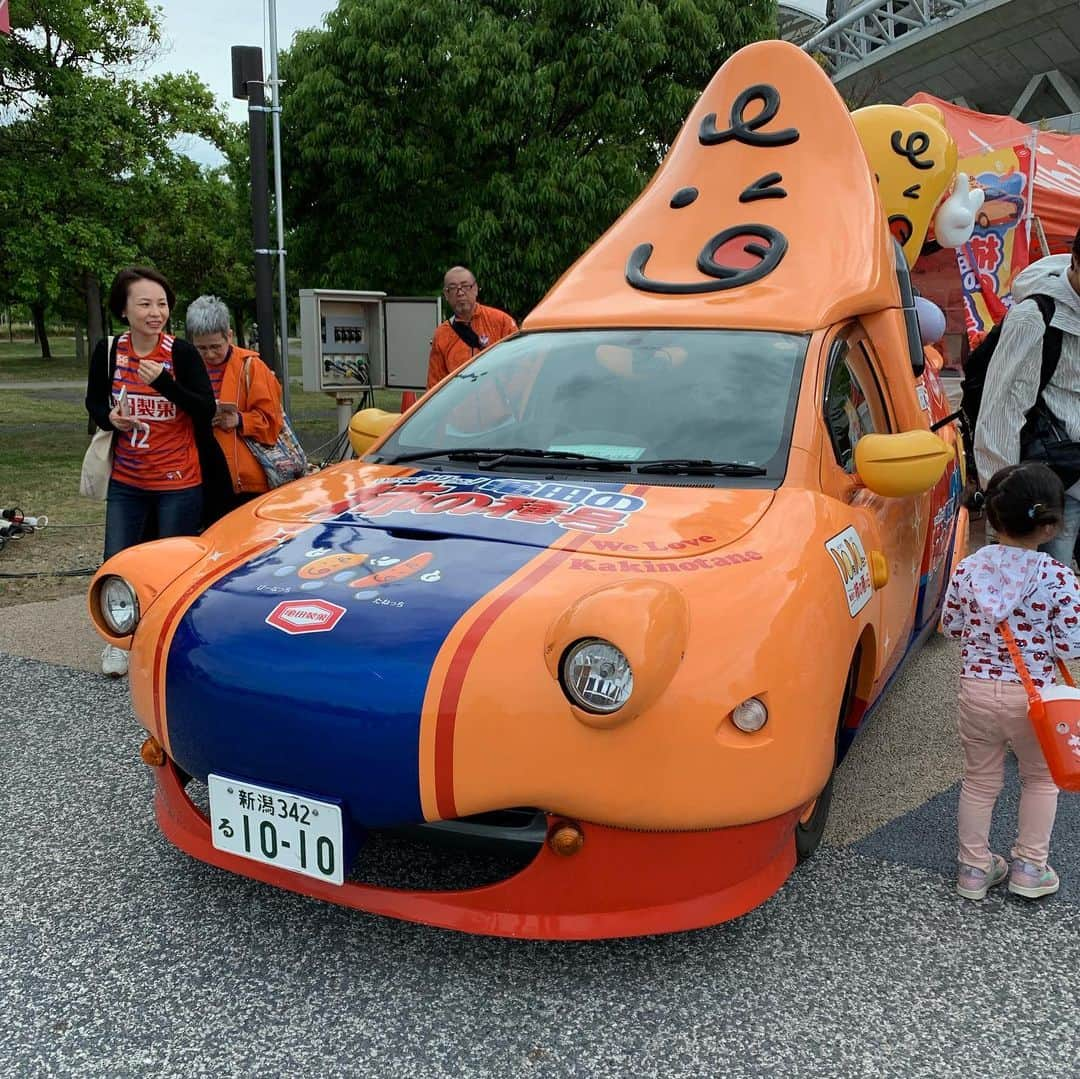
(978,364)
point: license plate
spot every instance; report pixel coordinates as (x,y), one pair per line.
(277,828)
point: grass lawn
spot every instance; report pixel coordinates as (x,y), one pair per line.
(43,435)
(21,361)
(42,439)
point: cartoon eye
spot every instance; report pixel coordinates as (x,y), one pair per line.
(764,188)
(913,191)
(683,197)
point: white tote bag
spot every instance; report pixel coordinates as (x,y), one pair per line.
(97,461)
(97,466)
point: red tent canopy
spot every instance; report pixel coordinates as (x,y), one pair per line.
(1057,162)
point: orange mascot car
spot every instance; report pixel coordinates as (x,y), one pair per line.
(632,577)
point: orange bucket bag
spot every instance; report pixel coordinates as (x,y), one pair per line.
(1055,714)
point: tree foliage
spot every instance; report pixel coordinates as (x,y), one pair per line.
(90,174)
(504,135)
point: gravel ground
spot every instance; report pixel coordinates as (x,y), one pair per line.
(123,957)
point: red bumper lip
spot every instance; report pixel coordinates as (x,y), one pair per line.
(620,884)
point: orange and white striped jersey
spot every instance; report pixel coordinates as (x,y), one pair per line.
(161,455)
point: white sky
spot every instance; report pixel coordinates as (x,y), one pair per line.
(198,35)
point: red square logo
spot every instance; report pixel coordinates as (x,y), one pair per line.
(305,616)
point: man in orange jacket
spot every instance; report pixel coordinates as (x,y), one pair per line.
(472,326)
(248,406)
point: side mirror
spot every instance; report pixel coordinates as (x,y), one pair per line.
(900,465)
(368,426)
(911,317)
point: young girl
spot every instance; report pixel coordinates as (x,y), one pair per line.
(1040,599)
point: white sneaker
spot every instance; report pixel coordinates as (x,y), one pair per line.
(114,661)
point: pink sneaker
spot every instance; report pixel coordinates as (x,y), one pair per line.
(1031,881)
(974,883)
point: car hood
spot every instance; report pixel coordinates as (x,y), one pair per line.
(632,520)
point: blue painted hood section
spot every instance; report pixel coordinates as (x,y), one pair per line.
(299,671)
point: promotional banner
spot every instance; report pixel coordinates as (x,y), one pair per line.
(5,18)
(998,248)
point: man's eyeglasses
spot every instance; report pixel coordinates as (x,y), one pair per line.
(460,288)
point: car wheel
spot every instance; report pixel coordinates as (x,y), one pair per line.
(811,826)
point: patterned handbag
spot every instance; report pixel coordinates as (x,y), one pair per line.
(285,460)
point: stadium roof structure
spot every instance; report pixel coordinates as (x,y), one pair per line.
(1018,58)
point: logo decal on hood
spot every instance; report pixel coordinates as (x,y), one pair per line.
(570,506)
(305,616)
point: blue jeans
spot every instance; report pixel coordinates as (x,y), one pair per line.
(127,509)
(1062,545)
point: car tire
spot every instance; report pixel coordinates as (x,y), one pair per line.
(811,828)
(808,832)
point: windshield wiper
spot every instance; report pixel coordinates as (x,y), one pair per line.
(700,467)
(496,455)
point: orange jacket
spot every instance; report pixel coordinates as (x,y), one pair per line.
(449,352)
(260,418)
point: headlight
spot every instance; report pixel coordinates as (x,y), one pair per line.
(750,716)
(119,605)
(596,676)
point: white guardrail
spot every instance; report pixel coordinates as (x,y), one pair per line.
(879,24)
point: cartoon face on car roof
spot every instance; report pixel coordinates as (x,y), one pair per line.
(763,215)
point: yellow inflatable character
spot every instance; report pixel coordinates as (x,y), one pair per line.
(915,159)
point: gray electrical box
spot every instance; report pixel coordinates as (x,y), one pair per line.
(409,325)
(355,341)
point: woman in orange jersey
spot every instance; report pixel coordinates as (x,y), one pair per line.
(248,406)
(152,390)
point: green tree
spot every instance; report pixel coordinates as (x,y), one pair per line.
(499,134)
(87,157)
(201,230)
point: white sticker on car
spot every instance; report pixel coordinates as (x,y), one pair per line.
(846,551)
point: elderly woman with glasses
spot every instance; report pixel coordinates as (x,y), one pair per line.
(248,400)
(471,328)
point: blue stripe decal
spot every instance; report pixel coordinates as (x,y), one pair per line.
(306,668)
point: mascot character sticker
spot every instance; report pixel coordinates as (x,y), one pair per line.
(915,159)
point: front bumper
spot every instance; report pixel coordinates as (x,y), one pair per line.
(620,884)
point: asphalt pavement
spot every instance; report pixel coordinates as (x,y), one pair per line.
(124,957)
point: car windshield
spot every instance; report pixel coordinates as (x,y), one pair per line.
(663,401)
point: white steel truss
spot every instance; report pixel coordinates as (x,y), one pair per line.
(879,24)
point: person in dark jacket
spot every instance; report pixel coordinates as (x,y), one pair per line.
(153,391)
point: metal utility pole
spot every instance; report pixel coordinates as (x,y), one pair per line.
(279,197)
(247,73)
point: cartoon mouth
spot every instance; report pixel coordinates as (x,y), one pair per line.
(901,228)
(737,256)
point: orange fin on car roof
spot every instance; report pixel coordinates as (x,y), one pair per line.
(763,215)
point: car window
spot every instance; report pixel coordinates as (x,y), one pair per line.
(625,395)
(853,402)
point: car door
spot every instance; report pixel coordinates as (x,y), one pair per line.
(855,403)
